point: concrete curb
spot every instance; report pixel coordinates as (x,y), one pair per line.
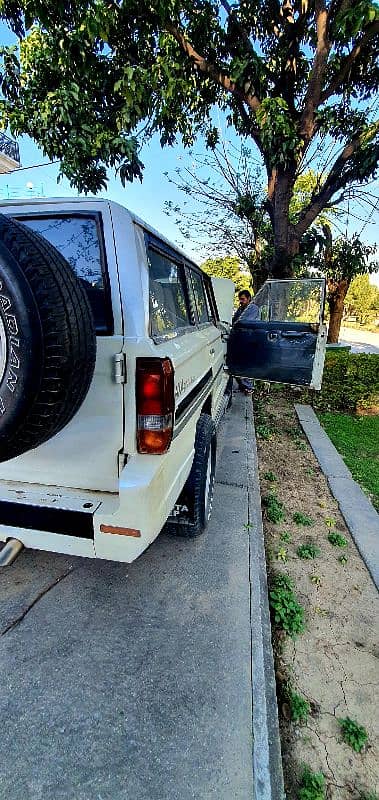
(267,761)
(359,514)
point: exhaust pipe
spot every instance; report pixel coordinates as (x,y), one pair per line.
(10,551)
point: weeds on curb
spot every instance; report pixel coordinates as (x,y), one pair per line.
(270,476)
(329,522)
(302,519)
(299,707)
(285,536)
(315,579)
(312,785)
(343,560)
(281,555)
(308,551)
(274,508)
(310,471)
(336,539)
(353,734)
(287,612)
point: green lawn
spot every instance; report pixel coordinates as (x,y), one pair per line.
(357,439)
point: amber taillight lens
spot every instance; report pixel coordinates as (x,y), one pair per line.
(155,404)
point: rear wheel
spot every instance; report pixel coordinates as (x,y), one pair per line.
(197,495)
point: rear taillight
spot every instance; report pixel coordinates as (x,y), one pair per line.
(155,404)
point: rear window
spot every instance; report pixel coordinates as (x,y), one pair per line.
(78,239)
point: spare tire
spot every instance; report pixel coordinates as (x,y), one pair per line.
(47,340)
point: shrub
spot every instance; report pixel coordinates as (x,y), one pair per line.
(274,508)
(299,707)
(336,539)
(312,785)
(302,519)
(308,551)
(353,734)
(349,380)
(287,612)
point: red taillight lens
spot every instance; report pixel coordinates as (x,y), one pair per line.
(155,404)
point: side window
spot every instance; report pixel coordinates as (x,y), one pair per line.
(78,239)
(211,303)
(199,296)
(168,302)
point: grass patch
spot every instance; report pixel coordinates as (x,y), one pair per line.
(356,438)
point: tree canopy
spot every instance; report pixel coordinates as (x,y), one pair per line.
(92,79)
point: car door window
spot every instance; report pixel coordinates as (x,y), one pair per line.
(199,296)
(169,312)
(297,301)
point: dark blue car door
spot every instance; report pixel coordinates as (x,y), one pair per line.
(281,336)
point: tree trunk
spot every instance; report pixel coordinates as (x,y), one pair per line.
(285,244)
(336,298)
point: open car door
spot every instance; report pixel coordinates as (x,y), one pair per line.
(281,336)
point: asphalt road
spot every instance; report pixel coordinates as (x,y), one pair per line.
(132,682)
(361,341)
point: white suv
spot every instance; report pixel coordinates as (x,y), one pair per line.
(114,375)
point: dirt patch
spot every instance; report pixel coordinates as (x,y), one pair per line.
(334,663)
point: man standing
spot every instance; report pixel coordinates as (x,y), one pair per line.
(244,298)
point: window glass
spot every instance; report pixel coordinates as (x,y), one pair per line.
(168,304)
(298,301)
(77,240)
(199,295)
(210,300)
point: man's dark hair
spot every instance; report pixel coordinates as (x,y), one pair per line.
(245,293)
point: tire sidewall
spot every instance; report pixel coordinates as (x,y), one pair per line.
(207,436)
(208,501)
(21,325)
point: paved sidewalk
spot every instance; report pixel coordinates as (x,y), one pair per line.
(360,515)
(133,682)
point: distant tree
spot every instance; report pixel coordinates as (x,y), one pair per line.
(362,300)
(341,261)
(91,79)
(229,267)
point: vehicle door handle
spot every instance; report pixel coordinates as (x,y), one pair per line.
(212,351)
(293,334)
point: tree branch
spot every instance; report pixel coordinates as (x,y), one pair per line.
(348,61)
(333,183)
(211,70)
(313,95)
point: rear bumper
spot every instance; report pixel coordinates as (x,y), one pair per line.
(73,522)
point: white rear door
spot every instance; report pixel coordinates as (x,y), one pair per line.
(85,453)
